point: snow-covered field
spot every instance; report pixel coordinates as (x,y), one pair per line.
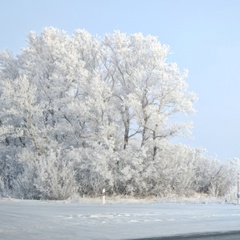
(21,219)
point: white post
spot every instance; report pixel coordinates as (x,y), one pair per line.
(238,189)
(104,196)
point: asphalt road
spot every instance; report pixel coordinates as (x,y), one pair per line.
(42,220)
(234,235)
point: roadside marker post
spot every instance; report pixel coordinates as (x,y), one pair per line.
(238,189)
(104,195)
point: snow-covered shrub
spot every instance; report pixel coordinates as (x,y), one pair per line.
(46,177)
(2,188)
(10,168)
(214,177)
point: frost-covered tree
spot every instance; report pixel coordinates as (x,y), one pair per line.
(80,112)
(147,90)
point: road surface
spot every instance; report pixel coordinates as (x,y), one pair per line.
(38,220)
(234,235)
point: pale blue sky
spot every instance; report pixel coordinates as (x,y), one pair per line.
(204,36)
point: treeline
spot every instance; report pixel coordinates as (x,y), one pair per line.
(81,113)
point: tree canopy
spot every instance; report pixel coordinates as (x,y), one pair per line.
(81,112)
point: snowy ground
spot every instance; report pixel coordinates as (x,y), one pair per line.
(20,219)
